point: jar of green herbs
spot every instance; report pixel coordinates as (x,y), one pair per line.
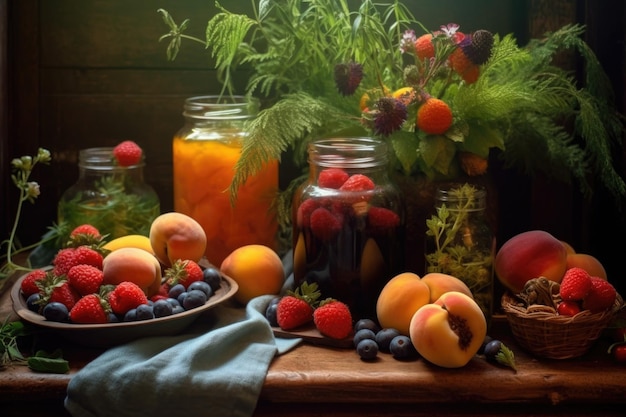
(115,199)
(460,240)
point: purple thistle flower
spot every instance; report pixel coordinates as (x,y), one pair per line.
(348,77)
(390,116)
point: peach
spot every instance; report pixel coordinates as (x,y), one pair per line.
(450,331)
(135,265)
(439,284)
(129,241)
(568,248)
(589,263)
(257,269)
(175,236)
(399,299)
(528,255)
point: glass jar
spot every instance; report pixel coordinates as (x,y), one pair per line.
(460,240)
(205,152)
(113,198)
(348,223)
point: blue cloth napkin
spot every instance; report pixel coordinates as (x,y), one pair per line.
(215,368)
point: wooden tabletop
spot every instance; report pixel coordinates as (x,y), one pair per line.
(312,380)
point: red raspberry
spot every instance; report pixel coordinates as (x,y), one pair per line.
(86,279)
(127,153)
(88,256)
(29,283)
(324,224)
(63,261)
(380,219)
(333,319)
(303,216)
(600,297)
(126,296)
(358,182)
(332,178)
(91,309)
(575,284)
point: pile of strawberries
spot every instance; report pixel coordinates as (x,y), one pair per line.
(74,291)
(297,308)
(579,291)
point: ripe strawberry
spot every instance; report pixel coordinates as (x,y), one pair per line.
(85,235)
(183,272)
(90,309)
(63,261)
(333,319)
(126,296)
(380,219)
(600,297)
(127,153)
(324,224)
(434,116)
(358,182)
(296,308)
(85,229)
(56,288)
(568,308)
(575,284)
(29,283)
(86,279)
(332,178)
(87,256)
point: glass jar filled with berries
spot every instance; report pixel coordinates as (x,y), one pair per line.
(348,222)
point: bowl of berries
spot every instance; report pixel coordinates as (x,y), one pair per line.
(115,314)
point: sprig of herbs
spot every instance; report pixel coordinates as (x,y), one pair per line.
(506,357)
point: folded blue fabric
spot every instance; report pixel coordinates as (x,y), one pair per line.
(215,368)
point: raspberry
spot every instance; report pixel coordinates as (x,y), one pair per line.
(358,182)
(126,296)
(88,256)
(575,284)
(600,297)
(324,225)
(303,216)
(127,153)
(86,279)
(29,283)
(434,116)
(63,261)
(381,219)
(424,48)
(332,178)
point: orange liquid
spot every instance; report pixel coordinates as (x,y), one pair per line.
(203,171)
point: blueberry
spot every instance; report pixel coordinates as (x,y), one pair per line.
(491,350)
(162,308)
(178,309)
(194,298)
(176,290)
(113,318)
(213,277)
(367,349)
(362,335)
(487,339)
(144,312)
(270,312)
(131,315)
(402,348)
(366,324)
(384,338)
(173,302)
(181,298)
(32,302)
(202,286)
(56,311)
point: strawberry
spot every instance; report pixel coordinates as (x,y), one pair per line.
(333,319)
(85,235)
(56,288)
(332,178)
(88,256)
(183,272)
(29,283)
(127,153)
(381,219)
(90,309)
(575,284)
(600,297)
(296,307)
(358,182)
(568,308)
(324,225)
(85,229)
(86,279)
(125,296)
(63,261)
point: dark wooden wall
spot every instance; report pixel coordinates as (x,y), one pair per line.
(83,73)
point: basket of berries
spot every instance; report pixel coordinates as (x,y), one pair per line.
(561,320)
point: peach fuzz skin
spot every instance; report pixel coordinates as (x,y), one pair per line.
(175,236)
(135,265)
(399,299)
(450,331)
(529,255)
(589,263)
(440,284)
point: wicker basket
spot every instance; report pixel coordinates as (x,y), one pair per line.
(545,334)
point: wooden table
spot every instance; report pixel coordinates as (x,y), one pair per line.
(315,381)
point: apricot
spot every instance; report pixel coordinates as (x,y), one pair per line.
(134,265)
(589,263)
(399,299)
(568,248)
(175,236)
(439,283)
(450,331)
(130,241)
(257,269)
(528,255)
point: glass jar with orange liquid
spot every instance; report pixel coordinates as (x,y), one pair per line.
(205,151)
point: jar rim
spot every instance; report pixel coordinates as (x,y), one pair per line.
(102,158)
(219,107)
(348,152)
